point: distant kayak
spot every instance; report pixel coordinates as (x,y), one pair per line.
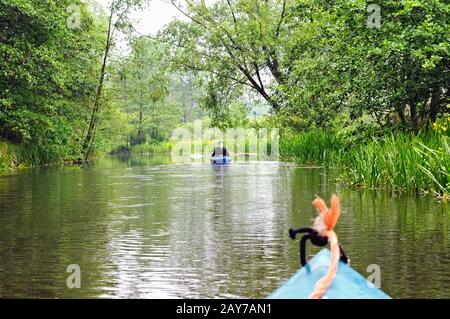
(220,160)
(348,284)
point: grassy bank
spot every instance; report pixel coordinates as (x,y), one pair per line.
(7,158)
(315,147)
(21,156)
(13,156)
(196,147)
(400,162)
(149,149)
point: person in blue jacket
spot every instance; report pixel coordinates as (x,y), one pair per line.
(220,150)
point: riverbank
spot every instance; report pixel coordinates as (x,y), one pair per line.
(16,156)
(397,162)
(22,156)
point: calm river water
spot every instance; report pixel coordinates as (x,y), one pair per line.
(144,228)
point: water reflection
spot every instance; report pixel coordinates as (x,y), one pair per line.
(146,228)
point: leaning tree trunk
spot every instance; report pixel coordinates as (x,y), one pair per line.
(87,144)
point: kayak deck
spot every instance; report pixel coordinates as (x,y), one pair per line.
(348,284)
(220,160)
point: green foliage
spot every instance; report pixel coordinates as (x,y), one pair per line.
(235,115)
(442,124)
(113,129)
(186,91)
(311,60)
(398,73)
(232,43)
(47,76)
(140,86)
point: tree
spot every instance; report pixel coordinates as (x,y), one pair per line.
(142,85)
(410,59)
(119,9)
(149,83)
(235,42)
(43,89)
(186,91)
(315,59)
(398,73)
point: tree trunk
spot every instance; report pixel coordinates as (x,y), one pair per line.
(140,137)
(259,89)
(414,119)
(434,106)
(86,149)
(401,116)
(273,65)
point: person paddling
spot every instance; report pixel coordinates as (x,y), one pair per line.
(220,150)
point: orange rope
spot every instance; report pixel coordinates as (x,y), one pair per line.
(324,224)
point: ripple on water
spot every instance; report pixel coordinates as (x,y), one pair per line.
(174,231)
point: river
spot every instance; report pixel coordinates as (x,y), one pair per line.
(145,228)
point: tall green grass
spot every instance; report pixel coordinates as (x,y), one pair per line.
(157,148)
(400,162)
(403,162)
(30,155)
(166,147)
(313,147)
(7,159)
